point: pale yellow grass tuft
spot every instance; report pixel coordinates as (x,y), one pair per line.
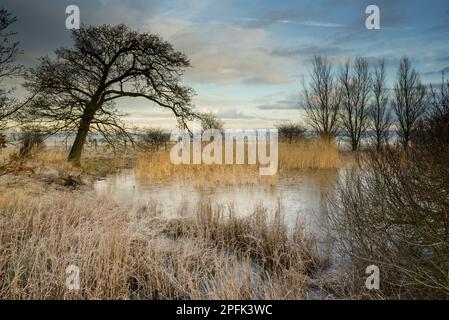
(313,153)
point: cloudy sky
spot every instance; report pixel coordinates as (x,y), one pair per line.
(249,57)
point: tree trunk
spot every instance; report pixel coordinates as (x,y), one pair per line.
(78,144)
(406,140)
(354,144)
(378,142)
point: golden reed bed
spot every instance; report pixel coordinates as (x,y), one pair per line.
(304,154)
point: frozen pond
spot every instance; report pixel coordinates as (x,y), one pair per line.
(300,194)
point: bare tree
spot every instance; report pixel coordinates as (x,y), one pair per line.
(322,98)
(9,49)
(77,90)
(380,114)
(433,129)
(355,93)
(439,99)
(409,101)
(210,121)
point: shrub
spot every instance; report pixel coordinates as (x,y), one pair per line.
(31,139)
(290,131)
(153,138)
(392,210)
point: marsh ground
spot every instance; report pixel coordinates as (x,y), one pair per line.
(139,227)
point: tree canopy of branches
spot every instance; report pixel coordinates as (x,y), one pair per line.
(356,89)
(78,89)
(322,98)
(409,101)
(380,115)
(9,49)
(433,130)
(439,99)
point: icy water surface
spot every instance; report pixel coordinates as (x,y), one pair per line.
(299,194)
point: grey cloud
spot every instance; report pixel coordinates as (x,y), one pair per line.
(437,72)
(308,51)
(327,14)
(280,105)
(261,23)
(217,59)
(267,79)
(233,114)
(312,15)
(41,24)
(443,59)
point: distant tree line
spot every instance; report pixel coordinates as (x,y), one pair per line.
(355,100)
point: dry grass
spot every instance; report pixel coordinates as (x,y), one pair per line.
(302,154)
(96,164)
(132,253)
(155,167)
(126,253)
(263,236)
(311,153)
(4,154)
(51,164)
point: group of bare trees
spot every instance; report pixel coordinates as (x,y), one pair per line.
(394,215)
(355,100)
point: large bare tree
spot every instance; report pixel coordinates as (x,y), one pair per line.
(355,86)
(77,90)
(9,49)
(321,98)
(379,113)
(409,101)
